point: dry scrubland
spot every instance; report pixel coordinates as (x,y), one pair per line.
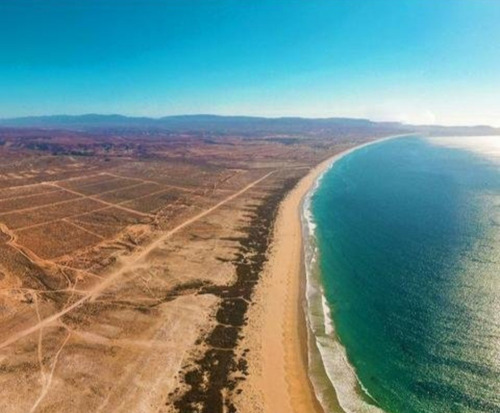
(128,262)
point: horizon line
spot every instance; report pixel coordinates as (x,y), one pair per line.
(246,116)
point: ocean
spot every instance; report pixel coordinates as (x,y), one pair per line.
(402,258)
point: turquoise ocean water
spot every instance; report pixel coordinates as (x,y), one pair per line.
(403,267)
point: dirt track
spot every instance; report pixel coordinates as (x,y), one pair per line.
(127,264)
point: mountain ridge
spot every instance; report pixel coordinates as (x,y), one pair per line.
(233,123)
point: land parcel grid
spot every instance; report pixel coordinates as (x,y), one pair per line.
(116,263)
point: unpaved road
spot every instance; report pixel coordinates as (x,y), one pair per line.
(127,264)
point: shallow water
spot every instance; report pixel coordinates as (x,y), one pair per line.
(404,295)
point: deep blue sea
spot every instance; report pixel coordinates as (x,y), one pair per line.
(404,276)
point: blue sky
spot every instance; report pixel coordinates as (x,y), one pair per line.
(421,61)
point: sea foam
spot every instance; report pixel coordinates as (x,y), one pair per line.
(350,393)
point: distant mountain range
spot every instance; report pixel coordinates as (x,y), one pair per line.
(233,124)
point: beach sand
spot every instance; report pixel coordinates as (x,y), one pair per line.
(276,332)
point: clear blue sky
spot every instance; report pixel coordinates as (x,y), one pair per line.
(412,60)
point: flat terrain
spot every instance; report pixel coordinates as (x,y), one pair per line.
(128,261)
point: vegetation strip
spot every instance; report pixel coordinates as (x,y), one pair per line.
(213,377)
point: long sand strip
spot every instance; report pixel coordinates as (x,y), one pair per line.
(287,374)
(276,332)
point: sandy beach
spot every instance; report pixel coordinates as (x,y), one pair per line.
(277,335)
(188,272)
(277,332)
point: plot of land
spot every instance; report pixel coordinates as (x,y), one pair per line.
(56,239)
(120,250)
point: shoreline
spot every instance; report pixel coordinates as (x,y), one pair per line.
(278,333)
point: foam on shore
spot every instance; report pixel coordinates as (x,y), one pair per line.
(324,344)
(342,378)
(463,367)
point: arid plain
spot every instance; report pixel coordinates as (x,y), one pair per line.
(129,259)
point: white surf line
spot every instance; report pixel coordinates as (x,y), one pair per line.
(93,293)
(343,372)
